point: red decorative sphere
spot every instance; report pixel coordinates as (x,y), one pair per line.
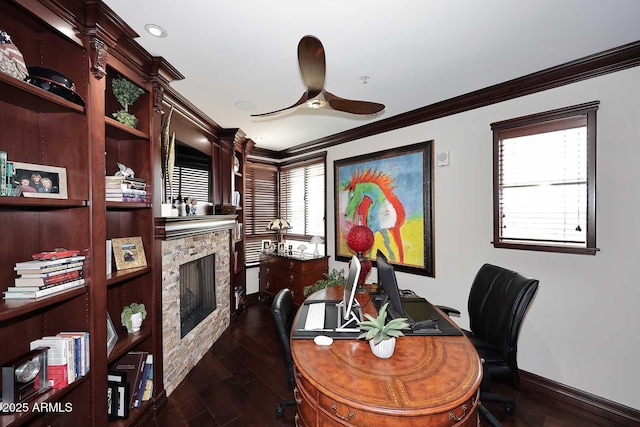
(360,238)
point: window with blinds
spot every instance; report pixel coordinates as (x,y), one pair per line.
(261,206)
(544,176)
(302,198)
(191,174)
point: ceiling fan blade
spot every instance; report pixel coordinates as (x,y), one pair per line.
(312,64)
(302,100)
(352,106)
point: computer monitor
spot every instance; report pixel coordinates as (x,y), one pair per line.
(350,287)
(387,279)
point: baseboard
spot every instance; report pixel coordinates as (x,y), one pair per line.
(620,414)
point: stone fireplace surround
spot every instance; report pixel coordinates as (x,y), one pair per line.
(184,240)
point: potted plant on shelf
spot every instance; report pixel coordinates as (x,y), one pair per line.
(381,336)
(334,278)
(126,94)
(132,316)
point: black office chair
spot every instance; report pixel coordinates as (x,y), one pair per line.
(497,303)
(283,311)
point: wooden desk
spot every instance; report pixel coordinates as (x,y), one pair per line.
(429,381)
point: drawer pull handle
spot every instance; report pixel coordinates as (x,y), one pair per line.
(296,420)
(268,285)
(267,270)
(453,417)
(349,417)
(296,396)
(291,279)
(290,264)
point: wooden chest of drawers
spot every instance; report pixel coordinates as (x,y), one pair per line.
(278,272)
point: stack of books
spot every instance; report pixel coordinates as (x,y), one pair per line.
(43,278)
(67,358)
(125,189)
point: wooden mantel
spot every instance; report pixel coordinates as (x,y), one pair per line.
(182,226)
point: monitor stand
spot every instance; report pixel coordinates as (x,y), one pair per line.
(351,324)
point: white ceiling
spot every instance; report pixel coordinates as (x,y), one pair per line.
(415,52)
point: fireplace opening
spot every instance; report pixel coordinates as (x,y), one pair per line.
(197,292)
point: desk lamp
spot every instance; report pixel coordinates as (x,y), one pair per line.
(360,240)
(315,240)
(279,225)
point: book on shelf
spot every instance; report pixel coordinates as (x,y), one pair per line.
(120,182)
(48,271)
(53,279)
(111,192)
(132,364)
(61,369)
(109,256)
(148,387)
(3,174)
(18,294)
(128,198)
(82,351)
(39,264)
(148,366)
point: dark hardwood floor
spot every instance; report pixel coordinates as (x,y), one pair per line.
(241,380)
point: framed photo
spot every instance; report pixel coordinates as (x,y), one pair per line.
(122,400)
(281,248)
(112,335)
(399,181)
(128,253)
(112,401)
(265,245)
(40,180)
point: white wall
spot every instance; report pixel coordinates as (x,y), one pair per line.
(580,329)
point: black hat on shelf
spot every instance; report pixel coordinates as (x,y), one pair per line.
(55,82)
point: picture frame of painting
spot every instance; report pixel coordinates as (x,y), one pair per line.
(391,192)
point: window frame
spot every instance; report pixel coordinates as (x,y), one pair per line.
(539,123)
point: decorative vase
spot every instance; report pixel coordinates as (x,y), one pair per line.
(136,321)
(384,349)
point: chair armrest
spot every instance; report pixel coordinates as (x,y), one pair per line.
(448,310)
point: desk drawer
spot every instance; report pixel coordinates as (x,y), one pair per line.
(332,412)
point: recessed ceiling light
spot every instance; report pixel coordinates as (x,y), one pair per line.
(316,103)
(244,105)
(156,30)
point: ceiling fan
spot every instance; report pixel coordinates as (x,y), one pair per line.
(313,68)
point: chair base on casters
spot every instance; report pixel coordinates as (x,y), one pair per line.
(508,403)
(488,417)
(282,405)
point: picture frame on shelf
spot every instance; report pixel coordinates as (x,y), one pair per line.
(40,181)
(112,335)
(265,245)
(281,248)
(128,252)
(112,401)
(122,400)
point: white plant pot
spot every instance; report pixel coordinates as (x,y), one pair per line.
(136,321)
(384,349)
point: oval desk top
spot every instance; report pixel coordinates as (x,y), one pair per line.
(426,374)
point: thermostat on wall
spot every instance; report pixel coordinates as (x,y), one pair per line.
(443,158)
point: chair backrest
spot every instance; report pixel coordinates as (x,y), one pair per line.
(283,311)
(497,303)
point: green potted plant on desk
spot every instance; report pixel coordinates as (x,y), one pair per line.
(335,278)
(381,336)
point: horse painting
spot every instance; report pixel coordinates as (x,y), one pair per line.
(371,198)
(389,192)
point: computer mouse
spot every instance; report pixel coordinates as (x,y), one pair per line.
(323,340)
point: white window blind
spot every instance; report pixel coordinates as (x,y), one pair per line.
(302,198)
(261,206)
(190,182)
(543,181)
(545,177)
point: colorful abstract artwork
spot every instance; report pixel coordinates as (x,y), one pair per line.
(390,192)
